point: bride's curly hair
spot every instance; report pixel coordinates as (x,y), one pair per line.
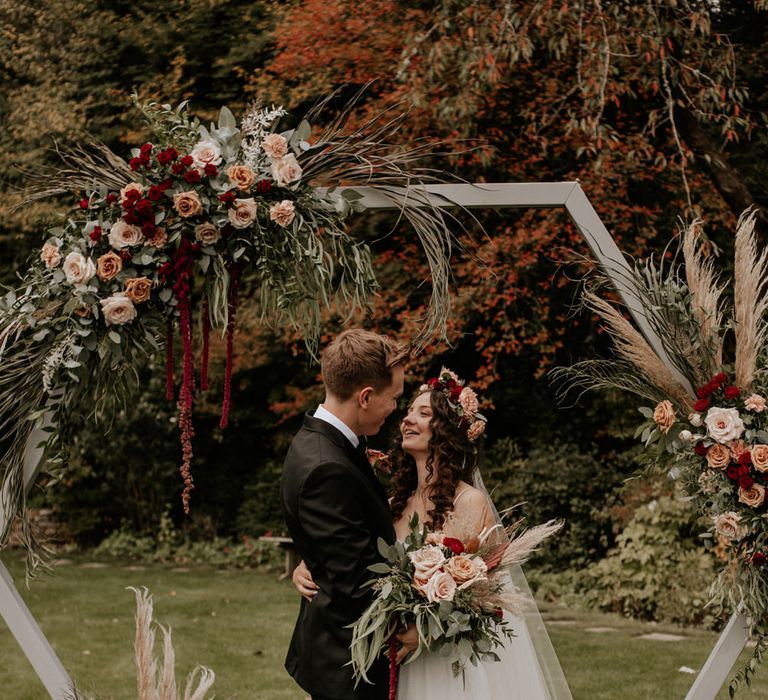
(451,458)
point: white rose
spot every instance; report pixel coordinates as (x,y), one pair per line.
(695,420)
(118,309)
(440,587)
(275,146)
(205,152)
(729,525)
(286,170)
(427,560)
(122,235)
(724,424)
(78,268)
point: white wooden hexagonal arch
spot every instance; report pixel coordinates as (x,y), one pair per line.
(545,195)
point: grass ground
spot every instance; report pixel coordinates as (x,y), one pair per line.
(239,624)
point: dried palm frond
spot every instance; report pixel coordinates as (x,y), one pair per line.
(632,347)
(706,296)
(521,547)
(750,299)
(83,168)
(366,156)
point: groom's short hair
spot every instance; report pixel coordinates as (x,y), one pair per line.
(357,358)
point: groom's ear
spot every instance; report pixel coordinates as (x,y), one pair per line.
(364,396)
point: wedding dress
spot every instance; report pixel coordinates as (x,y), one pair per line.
(527,670)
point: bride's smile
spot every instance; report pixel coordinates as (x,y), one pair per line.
(415,426)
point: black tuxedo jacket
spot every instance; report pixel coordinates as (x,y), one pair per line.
(336,510)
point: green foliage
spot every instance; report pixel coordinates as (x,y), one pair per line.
(657,571)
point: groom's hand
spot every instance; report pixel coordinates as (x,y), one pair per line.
(305,584)
(409,639)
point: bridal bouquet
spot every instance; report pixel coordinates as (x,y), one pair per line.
(455,591)
(706,424)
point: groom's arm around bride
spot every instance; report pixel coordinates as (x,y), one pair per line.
(336,509)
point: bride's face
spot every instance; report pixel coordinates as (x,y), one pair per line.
(415,426)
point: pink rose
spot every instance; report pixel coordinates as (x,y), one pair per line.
(427,560)
(755,403)
(50,255)
(286,170)
(78,269)
(468,401)
(206,152)
(118,309)
(724,424)
(729,525)
(440,587)
(207,233)
(466,570)
(475,430)
(122,235)
(275,146)
(282,213)
(243,213)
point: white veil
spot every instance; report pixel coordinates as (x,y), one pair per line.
(551,674)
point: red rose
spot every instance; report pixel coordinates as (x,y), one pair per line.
(456,546)
(211,170)
(131,196)
(701,405)
(134,163)
(178,168)
(731,392)
(95,235)
(433,383)
(451,383)
(166,185)
(164,269)
(155,193)
(745,458)
(144,208)
(146,149)
(228,197)
(111,198)
(455,393)
(83,203)
(195,247)
(125,254)
(144,159)
(758,559)
(733,472)
(130,218)
(743,470)
(721,378)
(700,449)
(263,186)
(703,392)
(149,229)
(745,482)
(187,160)
(192,177)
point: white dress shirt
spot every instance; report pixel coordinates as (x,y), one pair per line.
(325,415)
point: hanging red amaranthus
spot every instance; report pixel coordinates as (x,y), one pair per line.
(205,352)
(169,360)
(234,278)
(392,668)
(182,289)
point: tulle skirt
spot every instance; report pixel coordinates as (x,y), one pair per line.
(517,676)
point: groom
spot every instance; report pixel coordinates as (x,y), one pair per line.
(336,510)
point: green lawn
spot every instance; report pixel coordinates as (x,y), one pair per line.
(239,623)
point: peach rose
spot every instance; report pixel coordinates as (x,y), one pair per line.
(475,430)
(729,525)
(207,233)
(118,309)
(755,403)
(718,456)
(138,289)
(206,152)
(159,239)
(440,586)
(108,265)
(760,457)
(738,448)
(427,560)
(282,213)
(468,401)
(131,186)
(122,235)
(78,269)
(435,538)
(753,496)
(275,146)
(243,214)
(242,176)
(50,255)
(466,570)
(286,170)
(187,204)
(664,416)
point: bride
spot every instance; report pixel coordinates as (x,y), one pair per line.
(434,476)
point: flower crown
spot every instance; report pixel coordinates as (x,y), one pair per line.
(461,399)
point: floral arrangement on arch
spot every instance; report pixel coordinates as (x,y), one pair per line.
(707,424)
(157,248)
